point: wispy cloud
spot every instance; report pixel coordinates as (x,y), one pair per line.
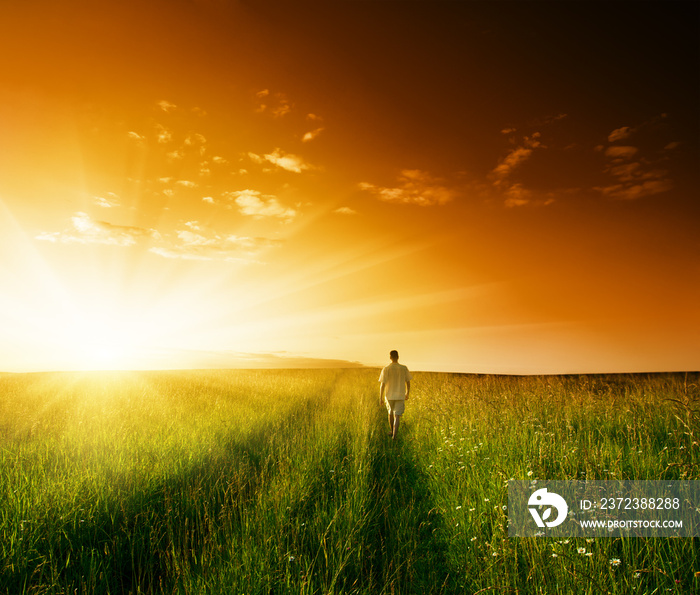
(634,174)
(193,242)
(186,183)
(163,135)
(108,201)
(345,211)
(513,192)
(254,204)
(286,161)
(166,106)
(311,135)
(415,187)
(201,244)
(86,230)
(619,134)
(621,153)
(516,157)
(275,104)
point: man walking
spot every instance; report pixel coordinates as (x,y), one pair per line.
(395,382)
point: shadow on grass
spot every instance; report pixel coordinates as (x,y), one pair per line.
(144,542)
(409,555)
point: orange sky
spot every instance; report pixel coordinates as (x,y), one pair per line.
(486,187)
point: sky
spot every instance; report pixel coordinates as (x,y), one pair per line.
(487,187)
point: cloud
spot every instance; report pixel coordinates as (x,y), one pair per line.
(163,134)
(414,187)
(166,106)
(283,160)
(345,211)
(254,204)
(503,177)
(633,177)
(546,120)
(517,196)
(639,189)
(621,153)
(275,104)
(135,136)
(198,243)
(516,157)
(86,230)
(619,134)
(107,201)
(195,242)
(311,135)
(186,183)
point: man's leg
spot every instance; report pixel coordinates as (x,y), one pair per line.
(391,422)
(397,419)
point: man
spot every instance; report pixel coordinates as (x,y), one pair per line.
(395,380)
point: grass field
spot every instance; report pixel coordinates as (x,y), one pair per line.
(287,482)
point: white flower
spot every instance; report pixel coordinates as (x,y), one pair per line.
(473,539)
(614,562)
(555,556)
(458,508)
(529,473)
(581,550)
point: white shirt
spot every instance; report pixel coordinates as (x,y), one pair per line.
(394,376)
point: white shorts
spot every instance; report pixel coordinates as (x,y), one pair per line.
(396,407)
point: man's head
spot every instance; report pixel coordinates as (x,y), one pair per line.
(394,355)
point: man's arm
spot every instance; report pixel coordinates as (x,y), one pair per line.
(382,386)
(408,389)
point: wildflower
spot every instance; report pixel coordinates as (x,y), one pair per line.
(472,509)
(581,550)
(458,508)
(473,539)
(291,558)
(589,540)
(529,473)
(638,574)
(589,554)
(555,555)
(615,562)
(486,500)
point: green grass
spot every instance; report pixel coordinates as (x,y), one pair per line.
(286,482)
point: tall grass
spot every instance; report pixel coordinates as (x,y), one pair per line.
(286,482)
